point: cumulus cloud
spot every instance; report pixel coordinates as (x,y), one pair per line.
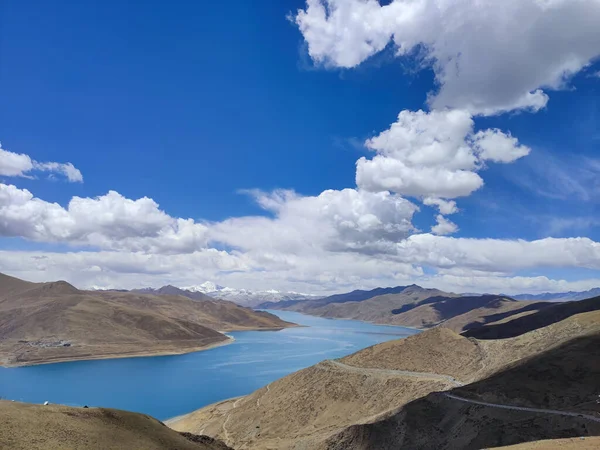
(108,221)
(335,241)
(349,219)
(434,154)
(496,146)
(14,164)
(21,165)
(444,226)
(444,206)
(488,57)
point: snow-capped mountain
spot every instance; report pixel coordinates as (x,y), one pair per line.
(246,297)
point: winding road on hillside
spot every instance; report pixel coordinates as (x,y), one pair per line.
(524,408)
(435,376)
(425,376)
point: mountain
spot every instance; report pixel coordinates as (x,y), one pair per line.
(210,291)
(354,296)
(560,296)
(434,390)
(49,322)
(38,427)
(172,290)
(246,297)
(517,326)
(414,306)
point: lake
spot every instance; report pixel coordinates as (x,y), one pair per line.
(167,386)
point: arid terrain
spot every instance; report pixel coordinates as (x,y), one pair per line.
(416,307)
(578,443)
(50,322)
(434,390)
(55,427)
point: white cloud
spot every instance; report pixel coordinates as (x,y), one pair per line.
(349,219)
(444,226)
(509,285)
(494,145)
(445,207)
(109,221)
(14,164)
(322,273)
(21,165)
(498,255)
(339,239)
(433,154)
(488,56)
(68,170)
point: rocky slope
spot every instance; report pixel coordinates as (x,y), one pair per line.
(49,322)
(53,427)
(394,395)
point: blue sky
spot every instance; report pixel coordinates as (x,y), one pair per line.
(191,104)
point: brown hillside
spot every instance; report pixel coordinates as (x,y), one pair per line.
(421,308)
(54,427)
(564,378)
(305,408)
(376,309)
(365,402)
(578,443)
(221,315)
(49,322)
(439,350)
(540,319)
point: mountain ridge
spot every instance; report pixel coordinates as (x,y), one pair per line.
(54,321)
(242,297)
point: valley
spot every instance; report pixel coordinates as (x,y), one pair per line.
(437,389)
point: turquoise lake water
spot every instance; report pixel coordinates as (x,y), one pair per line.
(167,386)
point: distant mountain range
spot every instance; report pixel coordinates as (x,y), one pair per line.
(413,306)
(560,296)
(243,297)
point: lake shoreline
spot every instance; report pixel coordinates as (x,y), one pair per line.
(166,388)
(173,420)
(141,354)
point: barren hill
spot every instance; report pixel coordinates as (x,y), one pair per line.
(577,443)
(49,322)
(393,395)
(544,317)
(549,396)
(414,306)
(173,290)
(53,427)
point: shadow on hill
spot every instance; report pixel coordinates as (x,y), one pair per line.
(500,316)
(547,316)
(564,378)
(354,296)
(449,307)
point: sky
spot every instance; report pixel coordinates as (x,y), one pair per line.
(316,147)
